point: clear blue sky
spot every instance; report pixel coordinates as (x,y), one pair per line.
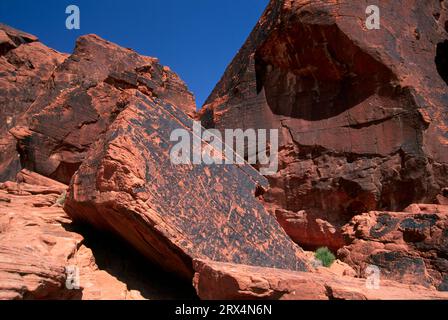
(196,38)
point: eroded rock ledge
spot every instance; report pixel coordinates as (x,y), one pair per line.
(83,97)
(38,241)
(362,114)
(226,281)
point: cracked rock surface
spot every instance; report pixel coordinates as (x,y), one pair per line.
(25,67)
(175,213)
(82,98)
(225,281)
(410,247)
(362,114)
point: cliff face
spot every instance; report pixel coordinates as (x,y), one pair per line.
(362,113)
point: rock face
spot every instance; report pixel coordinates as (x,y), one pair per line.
(34,247)
(174,213)
(362,114)
(225,281)
(84,95)
(407,247)
(25,66)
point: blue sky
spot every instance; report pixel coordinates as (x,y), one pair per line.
(196,38)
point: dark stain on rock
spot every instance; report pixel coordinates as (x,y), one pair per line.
(384,225)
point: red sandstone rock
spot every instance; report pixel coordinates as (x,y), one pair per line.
(33,178)
(84,96)
(175,213)
(407,247)
(427,208)
(363,127)
(309,229)
(38,241)
(25,66)
(225,281)
(34,248)
(362,113)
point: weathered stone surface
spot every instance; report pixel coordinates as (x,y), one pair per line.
(34,247)
(33,183)
(84,95)
(309,229)
(25,66)
(410,247)
(362,113)
(174,213)
(33,178)
(38,241)
(363,123)
(443,197)
(225,281)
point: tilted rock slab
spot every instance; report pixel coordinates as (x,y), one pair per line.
(174,213)
(226,281)
(410,247)
(362,113)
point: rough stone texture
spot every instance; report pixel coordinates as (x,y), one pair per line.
(410,247)
(309,229)
(28,177)
(34,247)
(362,113)
(83,96)
(38,241)
(174,213)
(25,66)
(225,281)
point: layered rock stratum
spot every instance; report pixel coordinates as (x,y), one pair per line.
(175,213)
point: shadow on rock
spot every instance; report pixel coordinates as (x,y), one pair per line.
(128,266)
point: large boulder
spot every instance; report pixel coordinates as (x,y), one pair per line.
(410,247)
(362,113)
(175,213)
(226,281)
(25,66)
(85,94)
